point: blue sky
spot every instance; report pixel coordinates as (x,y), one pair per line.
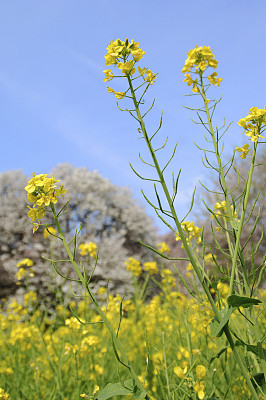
(54,103)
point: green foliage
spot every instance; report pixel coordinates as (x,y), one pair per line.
(116,389)
(241,301)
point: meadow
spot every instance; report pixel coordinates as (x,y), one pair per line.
(168,341)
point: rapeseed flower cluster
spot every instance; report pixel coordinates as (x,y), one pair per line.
(71,343)
(24,268)
(26,262)
(5,369)
(201,58)
(4,395)
(151,267)
(163,247)
(88,249)
(168,278)
(29,298)
(191,231)
(133,265)
(124,55)
(223,289)
(42,192)
(254,123)
(199,387)
(220,209)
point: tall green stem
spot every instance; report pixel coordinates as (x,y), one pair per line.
(181,234)
(113,335)
(169,200)
(238,231)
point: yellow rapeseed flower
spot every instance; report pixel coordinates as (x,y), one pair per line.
(108,75)
(119,95)
(150,76)
(26,262)
(244,150)
(200,371)
(35,213)
(73,323)
(124,55)
(21,274)
(151,267)
(30,297)
(223,289)
(133,266)
(137,54)
(4,395)
(95,390)
(167,278)
(192,232)
(42,192)
(163,247)
(142,71)
(200,58)
(214,80)
(199,388)
(253,123)
(126,67)
(88,248)
(180,373)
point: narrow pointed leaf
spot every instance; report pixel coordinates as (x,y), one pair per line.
(216,327)
(116,389)
(241,301)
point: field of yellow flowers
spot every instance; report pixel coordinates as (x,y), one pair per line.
(168,340)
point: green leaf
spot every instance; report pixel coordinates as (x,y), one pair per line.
(216,327)
(116,389)
(260,352)
(241,301)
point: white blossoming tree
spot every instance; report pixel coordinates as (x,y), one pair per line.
(108,215)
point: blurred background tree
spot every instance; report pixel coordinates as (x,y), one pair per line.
(108,214)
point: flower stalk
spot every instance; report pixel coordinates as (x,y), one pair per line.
(117,344)
(201,58)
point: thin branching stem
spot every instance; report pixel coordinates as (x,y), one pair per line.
(117,344)
(169,200)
